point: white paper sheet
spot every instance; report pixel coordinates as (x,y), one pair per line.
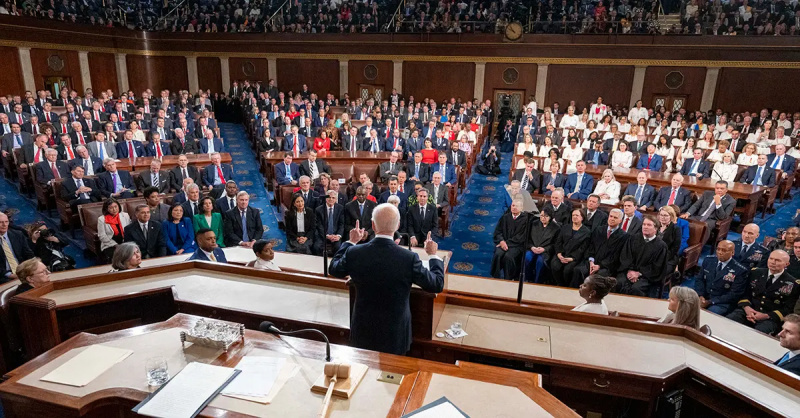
(442,410)
(88,365)
(187,391)
(288,371)
(257,377)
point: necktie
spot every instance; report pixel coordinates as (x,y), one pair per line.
(19,118)
(219,173)
(361,209)
(230,203)
(114,180)
(155,181)
(422,211)
(313,167)
(70,153)
(524,183)
(213,258)
(608,233)
(330,221)
(441,171)
(10,258)
(758,176)
(47,116)
(79,183)
(784,359)
(96,116)
(184,174)
(288,172)
(771,279)
(352,143)
(693,171)
(295,149)
(144,231)
(625,224)
(416,171)
(194,208)
(18,140)
(131,151)
(671,200)
(578,183)
(639,195)
(36,158)
(80,139)
(719,266)
(86,167)
(56,174)
(245,238)
(708,211)
(775,163)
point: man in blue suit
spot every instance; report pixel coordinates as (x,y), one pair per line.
(413,144)
(125,147)
(697,166)
(760,174)
(207,249)
(579,185)
(115,183)
(372,142)
(447,170)
(641,191)
(215,175)
(722,280)
(790,340)
(429,131)
(394,190)
(156,148)
(381,317)
(210,144)
(596,156)
(674,195)
(779,160)
(287,172)
(650,160)
(294,143)
(552,179)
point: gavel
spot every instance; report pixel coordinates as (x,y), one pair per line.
(334,371)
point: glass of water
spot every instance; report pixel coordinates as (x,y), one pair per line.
(157,371)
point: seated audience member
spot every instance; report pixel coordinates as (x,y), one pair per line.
(207,248)
(579,184)
(760,174)
(722,280)
(313,167)
(595,217)
(570,248)
(671,234)
(561,209)
(456,156)
(215,175)
(696,166)
(650,160)
(394,190)
(48,247)
(266,143)
(294,143)
(242,225)
(15,249)
(491,162)
(510,239)
(288,172)
(206,218)
(210,144)
(641,191)
(418,170)
(51,169)
(228,200)
(191,206)
(596,155)
(32,274)
(593,289)
(438,193)
(182,172)
(553,179)
(78,190)
(683,224)
(312,199)
(603,251)
(264,256)
(675,195)
(111,227)
(389,169)
(115,183)
(127,256)
(178,231)
(642,261)
(528,177)
(421,218)
(725,169)
(684,308)
(748,252)
(66,149)
(794,260)
(182,144)
(790,339)
(156,148)
(91,165)
(787,242)
(541,242)
(771,295)
(359,211)
(622,158)
(329,224)
(608,188)
(631,219)
(146,234)
(299,221)
(154,177)
(129,147)
(713,206)
(34,153)
(447,171)
(780,161)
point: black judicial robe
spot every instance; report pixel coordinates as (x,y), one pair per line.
(606,250)
(648,258)
(515,233)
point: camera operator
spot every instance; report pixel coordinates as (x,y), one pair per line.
(491,162)
(49,248)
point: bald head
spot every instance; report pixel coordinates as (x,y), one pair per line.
(725,250)
(750,233)
(385,219)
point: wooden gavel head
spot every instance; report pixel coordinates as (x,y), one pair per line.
(338,370)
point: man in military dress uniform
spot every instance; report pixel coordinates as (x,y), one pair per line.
(748,252)
(722,281)
(772,294)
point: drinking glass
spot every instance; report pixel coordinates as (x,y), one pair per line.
(157,371)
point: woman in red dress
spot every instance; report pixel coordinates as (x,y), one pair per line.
(429,155)
(322,142)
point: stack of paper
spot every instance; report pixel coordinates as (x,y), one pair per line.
(261,378)
(440,408)
(88,365)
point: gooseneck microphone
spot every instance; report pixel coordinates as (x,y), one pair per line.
(270,328)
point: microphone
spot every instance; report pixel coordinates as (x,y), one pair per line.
(270,328)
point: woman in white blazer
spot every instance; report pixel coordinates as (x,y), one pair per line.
(608,188)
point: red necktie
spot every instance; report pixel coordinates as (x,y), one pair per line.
(131,153)
(158,150)
(295,148)
(649,158)
(672,196)
(38,155)
(47,116)
(395,143)
(69,151)
(80,139)
(19,118)
(55,171)
(625,225)
(120,116)
(219,173)
(63,129)
(97,116)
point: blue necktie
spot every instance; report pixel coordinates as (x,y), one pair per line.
(361,209)
(102,147)
(639,195)
(330,221)
(19,141)
(758,175)
(775,163)
(694,167)
(114,179)
(288,172)
(784,359)
(245,238)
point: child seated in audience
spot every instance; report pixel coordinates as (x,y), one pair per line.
(593,290)
(684,307)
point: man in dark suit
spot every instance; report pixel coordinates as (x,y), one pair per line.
(381,317)
(294,143)
(737,141)
(88,123)
(207,249)
(760,174)
(437,194)
(32,126)
(352,141)
(780,160)
(183,171)
(51,169)
(191,201)
(641,191)
(696,166)
(15,242)
(594,216)
(66,148)
(510,236)
(242,224)
(674,195)
(181,144)
(579,185)
(310,197)
(313,166)
(747,251)
(79,137)
(528,177)
(287,172)
(228,200)
(62,126)
(91,165)
(417,170)
(329,225)
(394,190)
(115,183)
(722,280)
(78,190)
(389,169)
(359,211)
(562,210)
(15,139)
(146,234)
(771,295)
(631,220)
(34,153)
(605,246)
(456,157)
(154,177)
(420,218)
(790,340)
(210,144)
(129,148)
(157,148)
(215,175)
(448,171)
(713,206)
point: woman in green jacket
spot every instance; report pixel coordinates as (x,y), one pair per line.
(209,219)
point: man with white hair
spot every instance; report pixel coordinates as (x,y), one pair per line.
(381,317)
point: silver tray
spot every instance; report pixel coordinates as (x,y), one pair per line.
(214,334)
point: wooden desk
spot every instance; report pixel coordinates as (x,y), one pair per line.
(270,158)
(478,390)
(169,161)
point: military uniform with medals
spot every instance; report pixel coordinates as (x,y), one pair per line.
(722,284)
(755,256)
(776,298)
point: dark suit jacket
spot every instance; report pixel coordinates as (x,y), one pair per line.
(280,173)
(572,244)
(292,233)
(106,185)
(146,180)
(424,171)
(322,222)
(756,255)
(418,227)
(727,204)
(558,182)
(634,225)
(223,204)
(188,146)
(460,159)
(648,194)
(532,185)
(792,365)
(233,226)
(767,176)
(724,287)
(29,153)
(322,167)
(787,165)
(702,168)
(44,173)
(150,149)
(346,140)
(210,170)
(122,149)
(683,198)
(381,316)
(22,251)
(94,126)
(155,246)
(588,156)
(176,176)
(201,256)
(599,218)
(606,250)
(352,215)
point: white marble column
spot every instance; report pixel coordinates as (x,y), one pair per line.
(225,74)
(86,72)
(344,77)
(541,84)
(709,87)
(272,69)
(480,80)
(122,71)
(27,68)
(191,70)
(637,87)
(397,75)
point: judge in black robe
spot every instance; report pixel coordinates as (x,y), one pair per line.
(604,250)
(544,237)
(510,237)
(571,244)
(644,259)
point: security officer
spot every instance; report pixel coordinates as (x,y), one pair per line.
(722,281)
(772,294)
(748,252)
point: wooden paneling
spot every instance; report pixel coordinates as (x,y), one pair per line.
(439,80)
(209,73)
(103,70)
(526,79)
(692,88)
(749,89)
(355,74)
(583,83)
(69,59)
(10,72)
(156,73)
(252,69)
(322,76)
